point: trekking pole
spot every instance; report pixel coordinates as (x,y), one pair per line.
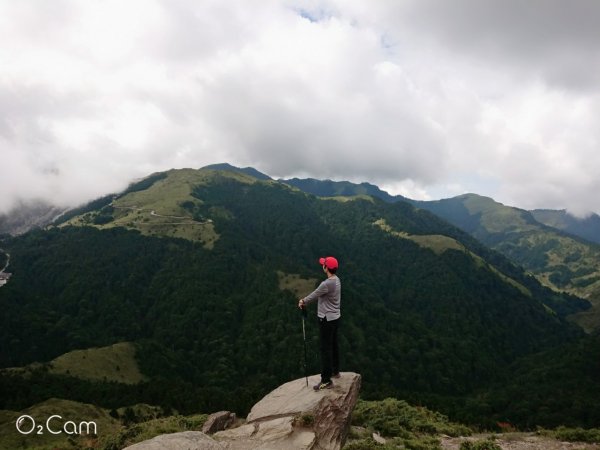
(304,314)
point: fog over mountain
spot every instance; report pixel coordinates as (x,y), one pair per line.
(423,98)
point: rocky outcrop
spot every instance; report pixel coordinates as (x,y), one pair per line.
(292,417)
(218,421)
(187,440)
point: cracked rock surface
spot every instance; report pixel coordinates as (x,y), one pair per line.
(292,417)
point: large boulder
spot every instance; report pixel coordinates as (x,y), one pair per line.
(187,440)
(218,421)
(294,416)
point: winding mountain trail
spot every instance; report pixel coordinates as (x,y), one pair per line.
(153,213)
(189,220)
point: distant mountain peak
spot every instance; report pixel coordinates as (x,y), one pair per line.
(251,171)
(587,227)
(473,195)
(330,188)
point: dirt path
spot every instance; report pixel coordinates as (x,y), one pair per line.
(189,220)
(153,213)
(521,441)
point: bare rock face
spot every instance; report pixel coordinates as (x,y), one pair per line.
(292,417)
(296,417)
(218,421)
(187,440)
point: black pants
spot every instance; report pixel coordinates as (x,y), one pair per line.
(330,354)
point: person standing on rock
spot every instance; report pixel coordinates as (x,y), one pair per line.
(328,295)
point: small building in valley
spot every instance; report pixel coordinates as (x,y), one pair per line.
(4,277)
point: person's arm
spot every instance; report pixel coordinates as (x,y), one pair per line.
(318,292)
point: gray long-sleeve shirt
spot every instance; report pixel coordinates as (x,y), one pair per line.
(329,295)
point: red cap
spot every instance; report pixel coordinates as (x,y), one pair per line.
(330,262)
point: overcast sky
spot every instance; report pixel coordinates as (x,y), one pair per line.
(428,99)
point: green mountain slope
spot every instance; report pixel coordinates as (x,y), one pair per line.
(559,260)
(587,227)
(561,382)
(112,363)
(160,205)
(88,426)
(214,321)
(251,171)
(329,188)
(85,420)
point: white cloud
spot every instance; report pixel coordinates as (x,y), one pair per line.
(424,97)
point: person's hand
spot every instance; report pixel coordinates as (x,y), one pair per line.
(301,303)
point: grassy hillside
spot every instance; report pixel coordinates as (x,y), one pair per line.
(440,244)
(161,206)
(112,363)
(559,260)
(329,188)
(250,171)
(74,412)
(296,284)
(404,426)
(585,227)
(113,429)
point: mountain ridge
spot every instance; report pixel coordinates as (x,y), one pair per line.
(586,227)
(558,259)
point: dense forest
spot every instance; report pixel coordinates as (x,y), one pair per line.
(3,259)
(561,260)
(214,330)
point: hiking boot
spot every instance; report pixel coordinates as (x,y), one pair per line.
(336,375)
(321,386)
